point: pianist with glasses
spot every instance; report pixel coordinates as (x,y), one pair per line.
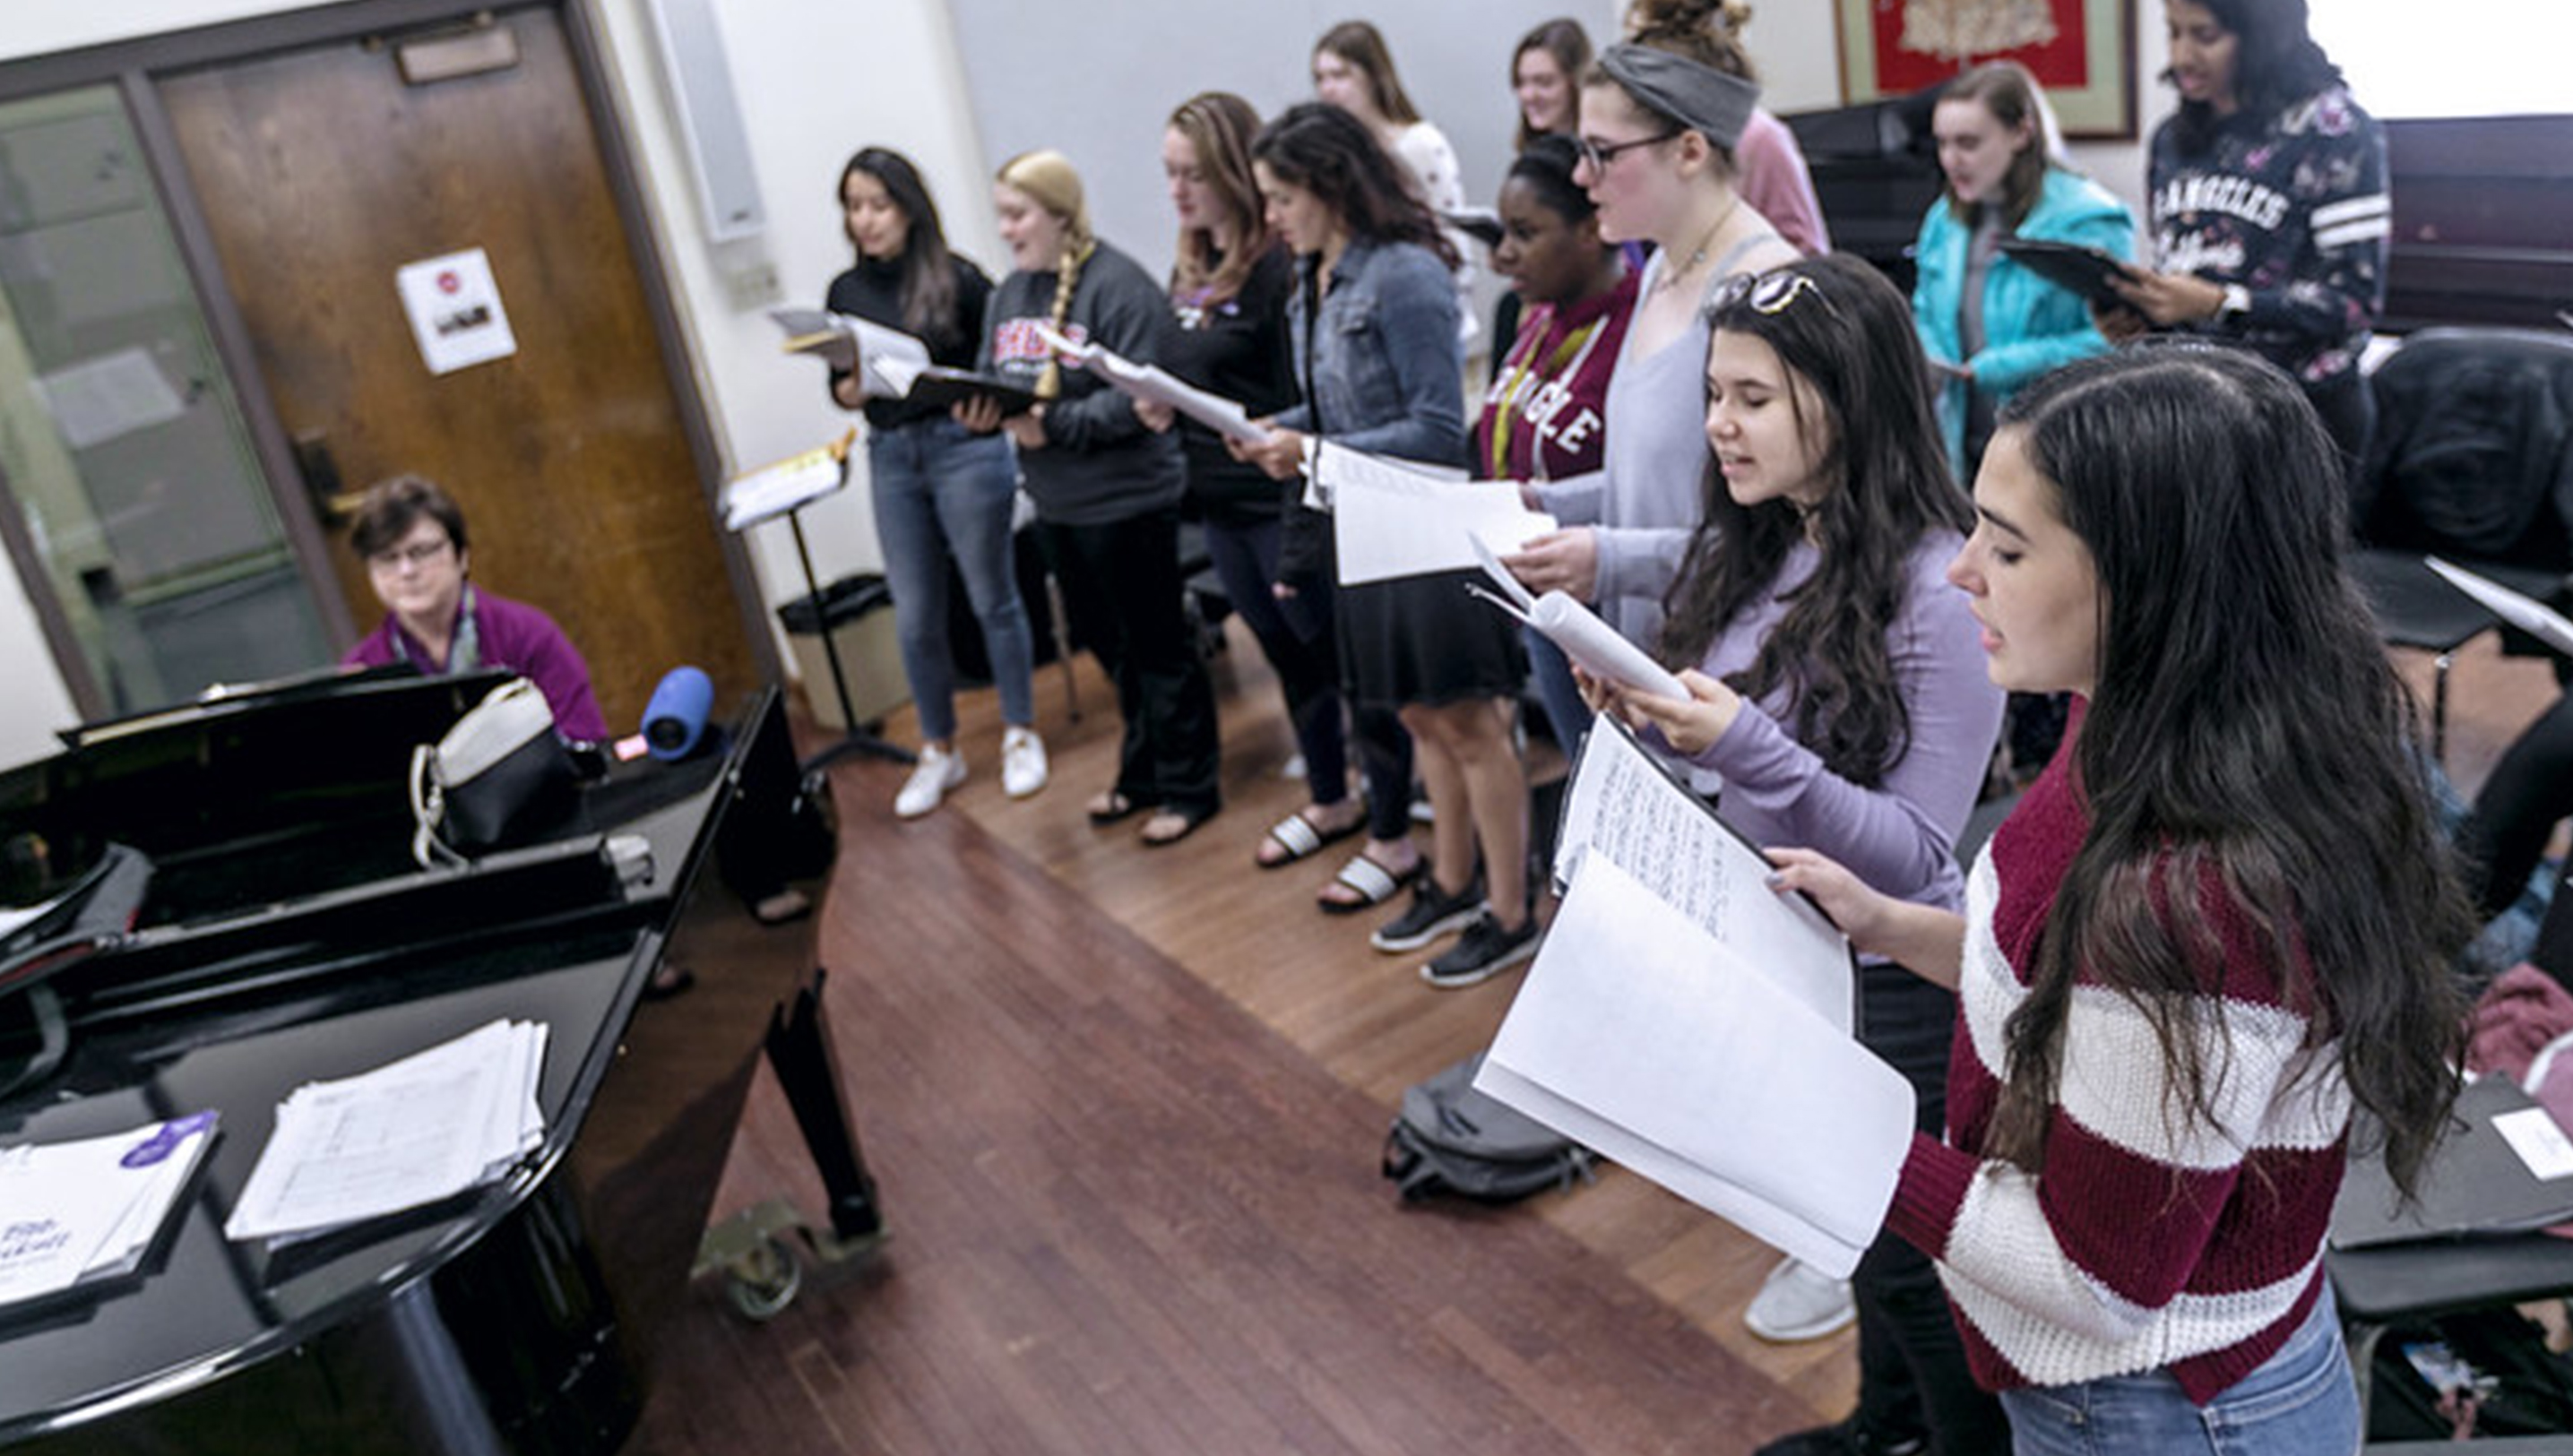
(411,536)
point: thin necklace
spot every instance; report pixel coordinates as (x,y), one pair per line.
(1672,277)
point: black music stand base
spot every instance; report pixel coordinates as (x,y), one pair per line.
(855,739)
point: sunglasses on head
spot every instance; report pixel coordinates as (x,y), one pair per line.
(1764,293)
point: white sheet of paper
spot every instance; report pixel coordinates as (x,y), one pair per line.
(2520,610)
(1638,1035)
(407,1133)
(1622,805)
(1390,518)
(2533,1134)
(772,490)
(1513,590)
(116,393)
(886,360)
(72,1210)
(453,303)
(1153,382)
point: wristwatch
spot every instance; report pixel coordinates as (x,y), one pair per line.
(2235,305)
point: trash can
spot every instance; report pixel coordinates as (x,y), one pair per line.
(858,613)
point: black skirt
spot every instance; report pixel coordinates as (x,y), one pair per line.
(1426,640)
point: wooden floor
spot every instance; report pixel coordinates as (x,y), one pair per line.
(1123,1106)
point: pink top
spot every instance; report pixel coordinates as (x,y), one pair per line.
(507,634)
(1769,173)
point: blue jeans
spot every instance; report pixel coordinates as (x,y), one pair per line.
(940,492)
(1297,642)
(2300,1402)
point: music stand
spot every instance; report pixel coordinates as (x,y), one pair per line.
(785,488)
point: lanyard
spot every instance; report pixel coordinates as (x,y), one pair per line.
(1509,398)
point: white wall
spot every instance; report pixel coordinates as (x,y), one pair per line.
(817,81)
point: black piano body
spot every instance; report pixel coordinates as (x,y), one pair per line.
(1876,171)
(288,939)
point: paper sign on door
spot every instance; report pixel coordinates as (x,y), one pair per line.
(456,312)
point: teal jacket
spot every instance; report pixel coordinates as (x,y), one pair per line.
(2030,325)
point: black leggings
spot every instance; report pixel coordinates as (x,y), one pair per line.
(2529,791)
(1120,582)
(1912,1374)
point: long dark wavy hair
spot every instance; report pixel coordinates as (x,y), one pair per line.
(2276,63)
(2247,734)
(1846,334)
(928,268)
(1331,154)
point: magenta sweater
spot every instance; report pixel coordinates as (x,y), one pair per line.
(2143,1242)
(515,636)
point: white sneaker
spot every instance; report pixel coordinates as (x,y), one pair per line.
(1023,762)
(1798,1303)
(938,771)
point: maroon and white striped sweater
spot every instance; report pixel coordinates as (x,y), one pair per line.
(2148,1240)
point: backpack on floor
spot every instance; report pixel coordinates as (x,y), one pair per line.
(1452,1138)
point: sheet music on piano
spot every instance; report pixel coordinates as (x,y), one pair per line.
(85,1211)
(362,1146)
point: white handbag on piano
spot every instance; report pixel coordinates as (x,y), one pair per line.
(499,760)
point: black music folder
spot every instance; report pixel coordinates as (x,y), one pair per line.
(2070,266)
(2477,1183)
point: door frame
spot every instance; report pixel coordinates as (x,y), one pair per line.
(135,67)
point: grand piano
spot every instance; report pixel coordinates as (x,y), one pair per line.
(288,938)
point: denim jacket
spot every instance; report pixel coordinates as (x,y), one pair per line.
(1381,359)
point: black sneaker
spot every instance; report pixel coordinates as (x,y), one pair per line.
(1432,913)
(1482,951)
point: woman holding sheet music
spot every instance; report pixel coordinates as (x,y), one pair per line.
(1839,693)
(1107,489)
(1988,324)
(1230,282)
(1374,321)
(940,493)
(2272,219)
(1660,117)
(1545,413)
(2218,923)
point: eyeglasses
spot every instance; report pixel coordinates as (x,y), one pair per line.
(1600,153)
(394,559)
(1764,293)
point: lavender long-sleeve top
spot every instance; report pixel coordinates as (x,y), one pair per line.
(1899,835)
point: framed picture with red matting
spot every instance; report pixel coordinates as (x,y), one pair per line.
(2081,51)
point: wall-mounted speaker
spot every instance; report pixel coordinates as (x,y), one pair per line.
(709,114)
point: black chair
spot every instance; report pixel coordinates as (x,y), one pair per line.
(2467,1245)
(2472,462)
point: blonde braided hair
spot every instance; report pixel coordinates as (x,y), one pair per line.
(1047,178)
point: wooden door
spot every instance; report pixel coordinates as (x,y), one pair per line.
(322,172)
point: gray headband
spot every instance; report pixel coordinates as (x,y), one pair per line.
(1701,98)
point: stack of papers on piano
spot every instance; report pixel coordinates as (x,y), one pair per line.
(77,1214)
(403,1135)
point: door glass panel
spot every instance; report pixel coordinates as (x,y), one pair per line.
(121,442)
